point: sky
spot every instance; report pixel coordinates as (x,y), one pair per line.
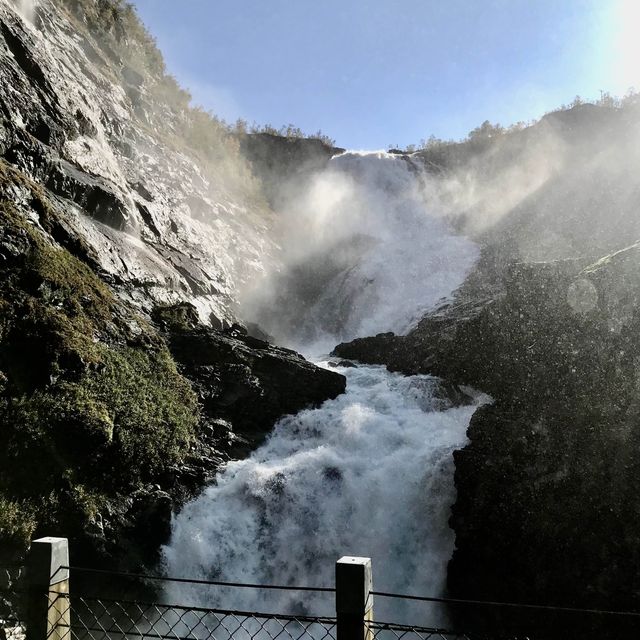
(378,73)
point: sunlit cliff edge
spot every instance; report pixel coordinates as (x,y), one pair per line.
(129,220)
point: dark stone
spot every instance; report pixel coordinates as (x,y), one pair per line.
(92,194)
(236,329)
(182,315)
(247,381)
(343,363)
(151,516)
(256,331)
(280,161)
(23,55)
(85,126)
(148,219)
(143,191)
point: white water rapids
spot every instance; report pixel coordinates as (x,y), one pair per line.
(371,472)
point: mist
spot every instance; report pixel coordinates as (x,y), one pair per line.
(365,248)
(357,238)
(563,187)
(27,9)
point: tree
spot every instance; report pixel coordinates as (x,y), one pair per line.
(485,131)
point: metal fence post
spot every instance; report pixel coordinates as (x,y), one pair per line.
(48,615)
(354,602)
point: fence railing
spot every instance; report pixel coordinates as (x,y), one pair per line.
(109,611)
(98,619)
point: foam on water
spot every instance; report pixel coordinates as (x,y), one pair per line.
(367,474)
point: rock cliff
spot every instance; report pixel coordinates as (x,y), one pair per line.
(157,189)
(128,222)
(547,486)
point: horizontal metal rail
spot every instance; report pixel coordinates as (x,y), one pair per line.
(514,605)
(215,583)
(404,631)
(382,594)
(182,607)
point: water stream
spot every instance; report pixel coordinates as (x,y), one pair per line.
(371,472)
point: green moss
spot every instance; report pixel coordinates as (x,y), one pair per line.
(176,317)
(150,408)
(91,402)
(72,282)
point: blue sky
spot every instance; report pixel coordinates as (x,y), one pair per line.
(374,73)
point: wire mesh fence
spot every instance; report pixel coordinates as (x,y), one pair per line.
(87,618)
(92,617)
(490,620)
(107,605)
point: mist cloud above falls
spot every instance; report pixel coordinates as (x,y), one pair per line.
(563,188)
(375,240)
(491,182)
(361,253)
(27,9)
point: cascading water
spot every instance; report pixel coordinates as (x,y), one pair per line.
(27,9)
(371,472)
(366,249)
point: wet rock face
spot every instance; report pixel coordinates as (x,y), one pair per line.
(122,211)
(88,113)
(548,483)
(246,384)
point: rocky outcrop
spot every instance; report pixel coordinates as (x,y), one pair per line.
(283,163)
(548,484)
(249,382)
(244,383)
(128,221)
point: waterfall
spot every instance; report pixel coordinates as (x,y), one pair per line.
(366,249)
(27,9)
(371,472)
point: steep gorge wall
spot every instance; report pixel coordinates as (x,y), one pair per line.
(548,484)
(158,190)
(127,220)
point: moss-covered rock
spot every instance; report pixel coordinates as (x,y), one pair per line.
(91,403)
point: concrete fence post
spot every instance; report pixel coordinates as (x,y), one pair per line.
(354,601)
(48,614)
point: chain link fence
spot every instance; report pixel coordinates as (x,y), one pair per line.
(89,618)
(90,604)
